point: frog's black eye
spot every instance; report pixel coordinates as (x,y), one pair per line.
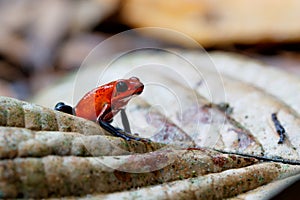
(121,86)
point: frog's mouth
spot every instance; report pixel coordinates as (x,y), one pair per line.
(139,89)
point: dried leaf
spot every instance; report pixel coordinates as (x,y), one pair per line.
(16,113)
(21,142)
(247,130)
(213,186)
(61,176)
(239,22)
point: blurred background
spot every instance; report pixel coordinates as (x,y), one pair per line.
(43,41)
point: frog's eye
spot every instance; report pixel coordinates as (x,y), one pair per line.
(121,86)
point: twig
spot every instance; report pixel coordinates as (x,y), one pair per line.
(279,128)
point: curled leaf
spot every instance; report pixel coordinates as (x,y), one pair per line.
(21,142)
(62,176)
(16,113)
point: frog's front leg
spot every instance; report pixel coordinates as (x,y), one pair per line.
(125,121)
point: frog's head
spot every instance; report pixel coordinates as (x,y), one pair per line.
(124,90)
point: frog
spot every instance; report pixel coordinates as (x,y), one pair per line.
(102,103)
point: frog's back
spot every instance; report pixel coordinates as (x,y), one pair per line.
(91,105)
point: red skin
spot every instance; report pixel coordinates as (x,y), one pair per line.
(103,102)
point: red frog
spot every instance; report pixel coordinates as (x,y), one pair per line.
(104,102)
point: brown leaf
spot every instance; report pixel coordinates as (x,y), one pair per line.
(238,22)
(60,176)
(253,92)
(21,142)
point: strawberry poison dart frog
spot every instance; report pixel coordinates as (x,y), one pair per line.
(104,102)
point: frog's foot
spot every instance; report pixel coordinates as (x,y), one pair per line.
(129,136)
(121,133)
(62,107)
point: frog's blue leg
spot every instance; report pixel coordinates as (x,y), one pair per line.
(120,133)
(64,108)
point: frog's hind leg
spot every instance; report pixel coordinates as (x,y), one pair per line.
(120,133)
(62,107)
